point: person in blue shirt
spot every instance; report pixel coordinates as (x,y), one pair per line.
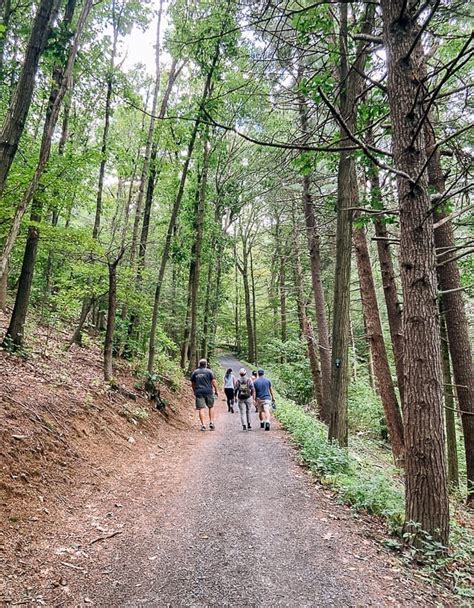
(264,399)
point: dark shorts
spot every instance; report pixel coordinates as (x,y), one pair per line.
(204,401)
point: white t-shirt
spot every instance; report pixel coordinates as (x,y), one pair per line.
(229,381)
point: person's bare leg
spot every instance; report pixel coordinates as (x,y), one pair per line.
(211,414)
(201,416)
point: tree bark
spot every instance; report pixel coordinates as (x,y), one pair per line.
(377,346)
(316,279)
(111,315)
(449,410)
(457,324)
(305,325)
(62,81)
(15,119)
(426,503)
(199,234)
(105,133)
(350,88)
(176,208)
(254,309)
(392,303)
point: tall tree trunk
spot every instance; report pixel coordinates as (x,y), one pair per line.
(15,118)
(206,324)
(248,308)
(382,372)
(254,309)
(238,345)
(105,132)
(392,303)
(449,409)
(176,208)
(350,88)
(426,502)
(147,160)
(457,324)
(62,82)
(305,325)
(322,328)
(111,315)
(152,169)
(198,239)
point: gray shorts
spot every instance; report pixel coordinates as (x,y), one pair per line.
(204,401)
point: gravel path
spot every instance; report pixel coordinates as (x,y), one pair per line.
(229,519)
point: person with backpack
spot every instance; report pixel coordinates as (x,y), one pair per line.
(229,389)
(264,399)
(204,386)
(245,394)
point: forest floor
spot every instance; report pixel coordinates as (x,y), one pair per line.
(104,511)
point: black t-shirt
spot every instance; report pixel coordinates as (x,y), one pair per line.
(202,379)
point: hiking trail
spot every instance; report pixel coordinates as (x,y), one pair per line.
(220,518)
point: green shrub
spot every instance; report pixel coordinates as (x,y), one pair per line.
(357,482)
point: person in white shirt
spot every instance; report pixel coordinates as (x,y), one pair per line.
(229,389)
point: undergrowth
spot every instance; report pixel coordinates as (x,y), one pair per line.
(368,486)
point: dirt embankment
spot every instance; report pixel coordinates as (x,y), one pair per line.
(62,430)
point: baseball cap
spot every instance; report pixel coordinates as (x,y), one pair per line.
(261,372)
(243,371)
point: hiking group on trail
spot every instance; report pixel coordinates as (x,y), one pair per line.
(243,391)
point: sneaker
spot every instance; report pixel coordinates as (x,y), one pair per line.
(267,426)
(211,426)
(249,427)
(244,428)
(262,425)
(231,410)
(203,428)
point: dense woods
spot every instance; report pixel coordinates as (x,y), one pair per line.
(290,180)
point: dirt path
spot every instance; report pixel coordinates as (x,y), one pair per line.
(223,518)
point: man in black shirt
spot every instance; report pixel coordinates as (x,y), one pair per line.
(204,386)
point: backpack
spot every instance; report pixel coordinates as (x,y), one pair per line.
(244,389)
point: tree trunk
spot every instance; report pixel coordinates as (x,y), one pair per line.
(457,324)
(206,329)
(62,81)
(382,372)
(449,410)
(350,88)
(316,278)
(175,210)
(105,132)
(248,314)
(254,309)
(394,309)
(15,118)
(305,325)
(152,170)
(198,239)
(111,314)
(426,503)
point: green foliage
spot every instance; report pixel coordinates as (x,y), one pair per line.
(364,407)
(357,482)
